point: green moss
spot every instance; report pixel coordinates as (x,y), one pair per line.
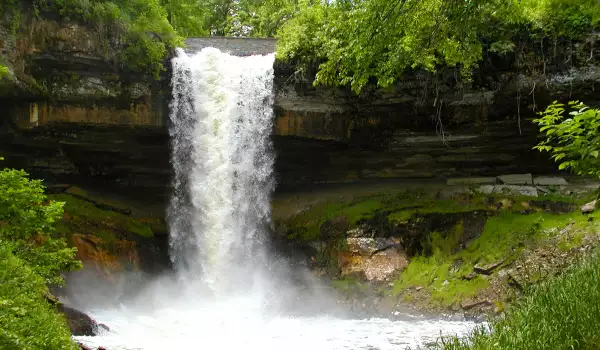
(85,217)
(503,238)
(442,273)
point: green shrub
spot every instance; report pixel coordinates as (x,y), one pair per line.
(27,220)
(574,141)
(27,320)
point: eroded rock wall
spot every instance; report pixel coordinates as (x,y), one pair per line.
(73,114)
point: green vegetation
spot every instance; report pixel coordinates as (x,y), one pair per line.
(561,313)
(358,42)
(574,142)
(349,43)
(442,271)
(27,224)
(504,237)
(27,320)
(32,255)
(400,207)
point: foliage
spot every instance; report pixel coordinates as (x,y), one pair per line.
(561,313)
(363,41)
(27,320)
(27,222)
(142,24)
(575,141)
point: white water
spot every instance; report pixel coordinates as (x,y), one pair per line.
(230,291)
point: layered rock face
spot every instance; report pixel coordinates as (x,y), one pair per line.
(72,114)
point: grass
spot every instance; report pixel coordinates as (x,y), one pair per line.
(27,320)
(561,313)
(503,238)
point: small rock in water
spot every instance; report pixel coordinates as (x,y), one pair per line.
(79,323)
(589,207)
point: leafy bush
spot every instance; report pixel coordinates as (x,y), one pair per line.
(574,142)
(31,256)
(27,221)
(27,320)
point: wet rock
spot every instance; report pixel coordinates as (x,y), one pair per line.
(550,181)
(377,258)
(84,347)
(487,269)
(589,207)
(79,323)
(516,179)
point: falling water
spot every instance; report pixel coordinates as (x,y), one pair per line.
(221,122)
(230,290)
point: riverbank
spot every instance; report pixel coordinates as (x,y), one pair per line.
(561,313)
(437,248)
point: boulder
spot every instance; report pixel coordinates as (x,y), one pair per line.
(516,179)
(550,181)
(377,258)
(79,323)
(589,207)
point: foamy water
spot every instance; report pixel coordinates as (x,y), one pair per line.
(220,327)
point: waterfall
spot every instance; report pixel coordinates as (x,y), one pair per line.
(221,121)
(228,293)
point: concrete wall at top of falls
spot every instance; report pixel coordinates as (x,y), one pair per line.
(72,115)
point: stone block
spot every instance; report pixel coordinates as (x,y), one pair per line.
(529,191)
(516,179)
(550,181)
(471,180)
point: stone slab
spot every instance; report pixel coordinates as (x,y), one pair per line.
(471,180)
(516,179)
(550,181)
(509,189)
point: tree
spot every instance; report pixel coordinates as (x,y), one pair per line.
(574,142)
(27,222)
(357,42)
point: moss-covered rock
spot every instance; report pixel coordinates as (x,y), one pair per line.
(108,237)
